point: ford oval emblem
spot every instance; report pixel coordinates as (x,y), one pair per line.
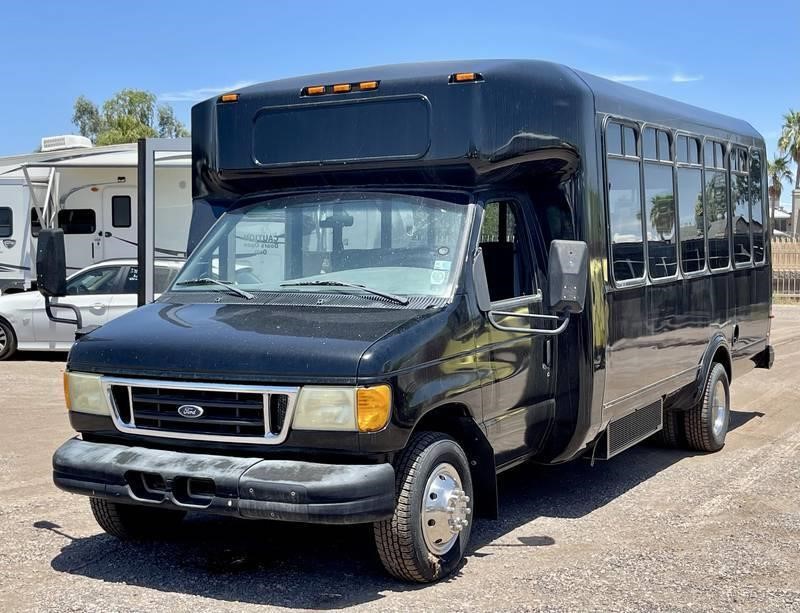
(190,411)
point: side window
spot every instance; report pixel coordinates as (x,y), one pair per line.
(692,219)
(759,228)
(164,275)
(121,211)
(740,203)
(715,189)
(36,225)
(131,283)
(6,222)
(659,207)
(95,281)
(625,209)
(506,255)
(77,221)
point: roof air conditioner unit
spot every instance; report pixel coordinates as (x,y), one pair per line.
(66,141)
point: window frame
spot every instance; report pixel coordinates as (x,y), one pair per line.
(733,151)
(10,222)
(693,166)
(637,281)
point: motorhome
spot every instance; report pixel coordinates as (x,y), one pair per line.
(91,194)
(412,278)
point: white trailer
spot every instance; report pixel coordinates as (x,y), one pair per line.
(91,193)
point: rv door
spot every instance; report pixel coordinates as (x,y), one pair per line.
(15,258)
(118,232)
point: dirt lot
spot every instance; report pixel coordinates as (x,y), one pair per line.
(649,530)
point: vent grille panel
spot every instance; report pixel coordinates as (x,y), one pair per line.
(633,428)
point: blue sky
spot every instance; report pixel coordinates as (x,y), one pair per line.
(732,57)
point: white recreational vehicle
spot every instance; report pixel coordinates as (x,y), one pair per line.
(91,193)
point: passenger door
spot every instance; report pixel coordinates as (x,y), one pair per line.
(518,405)
(118,232)
(92,292)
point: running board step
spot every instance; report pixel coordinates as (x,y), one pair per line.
(633,428)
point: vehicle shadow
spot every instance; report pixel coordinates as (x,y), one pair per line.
(332,567)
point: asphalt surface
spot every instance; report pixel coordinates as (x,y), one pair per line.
(652,529)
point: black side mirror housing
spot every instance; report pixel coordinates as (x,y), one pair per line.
(568,273)
(51,263)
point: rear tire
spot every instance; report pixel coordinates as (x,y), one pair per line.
(132,522)
(8,340)
(707,424)
(426,542)
(673,432)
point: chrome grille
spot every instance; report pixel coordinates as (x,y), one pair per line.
(236,413)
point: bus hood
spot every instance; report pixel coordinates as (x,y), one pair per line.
(237,342)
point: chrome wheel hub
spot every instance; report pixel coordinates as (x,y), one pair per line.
(719,410)
(445,509)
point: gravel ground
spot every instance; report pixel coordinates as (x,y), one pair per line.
(652,529)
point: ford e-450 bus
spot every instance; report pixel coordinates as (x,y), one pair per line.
(407,279)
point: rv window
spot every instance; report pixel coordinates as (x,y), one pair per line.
(505,254)
(36,225)
(121,211)
(77,221)
(6,222)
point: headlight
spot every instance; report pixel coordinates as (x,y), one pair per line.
(85,394)
(365,409)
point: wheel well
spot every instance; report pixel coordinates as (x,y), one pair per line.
(722,356)
(456,421)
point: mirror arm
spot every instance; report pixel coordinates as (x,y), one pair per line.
(61,320)
(563,322)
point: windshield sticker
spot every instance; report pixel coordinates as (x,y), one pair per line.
(438,277)
(443,250)
(442,265)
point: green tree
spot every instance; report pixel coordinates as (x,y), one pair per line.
(789,141)
(129,115)
(662,215)
(778,171)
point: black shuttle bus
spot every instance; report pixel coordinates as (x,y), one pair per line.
(406,279)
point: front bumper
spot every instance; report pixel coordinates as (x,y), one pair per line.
(252,488)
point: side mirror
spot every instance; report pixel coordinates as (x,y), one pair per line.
(51,263)
(567,273)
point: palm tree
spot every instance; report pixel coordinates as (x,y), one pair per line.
(789,141)
(778,171)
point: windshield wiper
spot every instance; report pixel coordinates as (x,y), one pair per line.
(393,297)
(225,284)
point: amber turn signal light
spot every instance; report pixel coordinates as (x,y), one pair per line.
(465,77)
(373,407)
(229,98)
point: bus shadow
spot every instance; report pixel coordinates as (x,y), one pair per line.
(332,567)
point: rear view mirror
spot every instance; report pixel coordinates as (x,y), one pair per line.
(568,273)
(51,263)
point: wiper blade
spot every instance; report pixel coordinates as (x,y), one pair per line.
(393,297)
(226,284)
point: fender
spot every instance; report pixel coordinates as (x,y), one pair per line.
(718,343)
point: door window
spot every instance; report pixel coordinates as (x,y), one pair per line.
(121,211)
(505,253)
(163,276)
(96,281)
(77,221)
(6,222)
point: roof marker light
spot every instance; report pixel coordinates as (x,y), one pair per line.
(342,88)
(465,77)
(365,85)
(229,98)
(314,90)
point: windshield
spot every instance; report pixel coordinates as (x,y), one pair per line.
(388,244)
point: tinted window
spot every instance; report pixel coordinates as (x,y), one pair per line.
(95,281)
(6,222)
(163,276)
(649,143)
(694,151)
(659,201)
(36,225)
(708,154)
(664,152)
(505,254)
(719,155)
(614,138)
(77,221)
(625,219)
(690,201)
(740,198)
(759,228)
(716,193)
(629,141)
(121,211)
(682,149)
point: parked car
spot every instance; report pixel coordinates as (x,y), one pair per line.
(101,291)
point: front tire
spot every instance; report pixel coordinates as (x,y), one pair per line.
(133,522)
(8,340)
(427,536)
(707,424)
